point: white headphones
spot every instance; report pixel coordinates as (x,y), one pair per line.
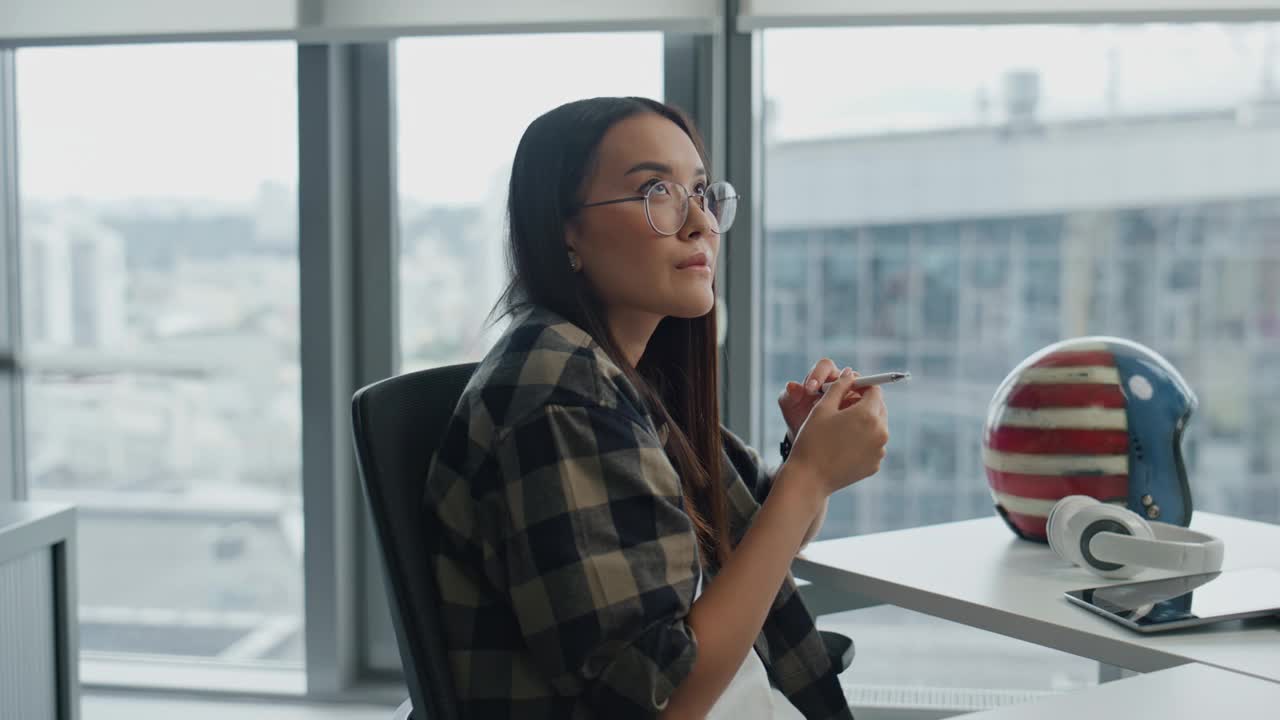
(1115,542)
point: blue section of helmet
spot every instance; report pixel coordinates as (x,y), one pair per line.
(1158,405)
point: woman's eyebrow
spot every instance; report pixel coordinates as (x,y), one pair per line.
(650,166)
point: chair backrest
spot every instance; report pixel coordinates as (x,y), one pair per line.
(398,424)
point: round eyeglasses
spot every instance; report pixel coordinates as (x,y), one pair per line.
(666,206)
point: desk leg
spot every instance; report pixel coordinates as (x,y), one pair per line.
(1109,673)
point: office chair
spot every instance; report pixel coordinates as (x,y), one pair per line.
(397,424)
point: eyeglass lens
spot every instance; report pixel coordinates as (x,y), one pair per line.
(667,206)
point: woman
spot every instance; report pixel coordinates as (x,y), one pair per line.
(602,546)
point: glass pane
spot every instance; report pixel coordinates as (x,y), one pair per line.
(160,301)
(949,218)
(458,134)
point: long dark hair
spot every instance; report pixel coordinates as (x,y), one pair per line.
(678,375)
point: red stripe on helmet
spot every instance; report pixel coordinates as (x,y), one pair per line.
(1068,395)
(1054,487)
(1059,441)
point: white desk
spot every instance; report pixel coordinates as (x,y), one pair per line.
(1189,691)
(977,573)
(39,639)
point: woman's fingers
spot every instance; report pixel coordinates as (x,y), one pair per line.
(824,370)
(843,383)
(875,395)
(791,393)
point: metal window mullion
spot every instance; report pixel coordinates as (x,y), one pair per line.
(319,22)
(744,246)
(881,13)
(12,441)
(377,215)
(377,265)
(13,485)
(328,364)
(348,254)
(694,81)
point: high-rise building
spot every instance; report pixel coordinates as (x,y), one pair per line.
(74,269)
(956,253)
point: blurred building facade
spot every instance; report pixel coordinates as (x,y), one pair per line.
(956,253)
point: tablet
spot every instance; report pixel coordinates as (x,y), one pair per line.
(1186,601)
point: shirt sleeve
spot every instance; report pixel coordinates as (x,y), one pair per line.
(600,556)
(750,466)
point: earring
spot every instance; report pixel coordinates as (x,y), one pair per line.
(575,263)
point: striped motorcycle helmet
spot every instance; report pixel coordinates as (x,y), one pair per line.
(1097,416)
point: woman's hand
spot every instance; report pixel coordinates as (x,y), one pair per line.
(798,398)
(843,439)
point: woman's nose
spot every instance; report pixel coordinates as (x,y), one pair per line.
(699,220)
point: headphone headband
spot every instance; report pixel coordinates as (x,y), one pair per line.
(1174,548)
(1115,542)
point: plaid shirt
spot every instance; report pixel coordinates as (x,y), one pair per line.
(565,563)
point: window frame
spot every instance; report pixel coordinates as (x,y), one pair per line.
(12,446)
(337,21)
(768,14)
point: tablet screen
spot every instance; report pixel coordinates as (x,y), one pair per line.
(1188,600)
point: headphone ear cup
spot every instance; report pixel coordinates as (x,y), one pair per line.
(1058,526)
(1110,518)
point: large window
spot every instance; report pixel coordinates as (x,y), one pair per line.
(458,133)
(1044,182)
(949,200)
(160,310)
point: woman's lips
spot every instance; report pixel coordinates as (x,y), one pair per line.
(694,262)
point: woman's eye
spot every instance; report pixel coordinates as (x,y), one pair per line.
(659,186)
(700,189)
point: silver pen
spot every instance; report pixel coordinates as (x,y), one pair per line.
(870,380)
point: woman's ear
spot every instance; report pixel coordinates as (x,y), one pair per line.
(572,235)
(571,240)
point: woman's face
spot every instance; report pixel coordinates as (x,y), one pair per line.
(632,268)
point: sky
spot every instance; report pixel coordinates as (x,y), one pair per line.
(215,121)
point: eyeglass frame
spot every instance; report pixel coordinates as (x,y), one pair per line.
(688,193)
